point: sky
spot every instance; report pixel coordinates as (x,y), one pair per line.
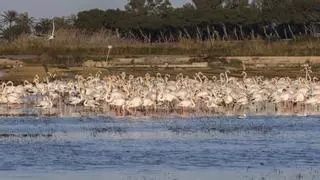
(51,8)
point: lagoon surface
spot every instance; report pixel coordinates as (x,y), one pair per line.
(155,148)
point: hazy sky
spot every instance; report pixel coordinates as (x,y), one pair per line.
(50,8)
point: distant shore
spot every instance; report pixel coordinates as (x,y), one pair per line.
(18,68)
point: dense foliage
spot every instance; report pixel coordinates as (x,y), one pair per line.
(159,21)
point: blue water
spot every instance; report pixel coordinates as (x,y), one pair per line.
(159,148)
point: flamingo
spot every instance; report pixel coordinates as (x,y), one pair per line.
(73,100)
(91,103)
(128,92)
(186,104)
(134,103)
(46,103)
(120,104)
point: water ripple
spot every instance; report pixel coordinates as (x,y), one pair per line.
(88,143)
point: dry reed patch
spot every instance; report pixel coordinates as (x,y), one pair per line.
(87,43)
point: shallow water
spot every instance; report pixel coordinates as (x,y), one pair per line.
(157,148)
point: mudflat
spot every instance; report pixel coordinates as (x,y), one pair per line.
(25,67)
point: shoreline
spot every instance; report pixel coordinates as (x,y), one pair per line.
(20,69)
(155,116)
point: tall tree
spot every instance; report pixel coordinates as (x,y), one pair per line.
(188,5)
(63,22)
(207,4)
(9,17)
(93,19)
(25,22)
(257,3)
(137,6)
(1,31)
(270,4)
(148,6)
(236,3)
(43,26)
(243,3)
(159,6)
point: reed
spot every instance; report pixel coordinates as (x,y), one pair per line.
(74,41)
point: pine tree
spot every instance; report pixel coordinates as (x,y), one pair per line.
(207,4)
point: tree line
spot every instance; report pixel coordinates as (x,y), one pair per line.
(14,24)
(159,21)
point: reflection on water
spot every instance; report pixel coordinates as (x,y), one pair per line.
(156,148)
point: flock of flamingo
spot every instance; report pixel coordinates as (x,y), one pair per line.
(126,95)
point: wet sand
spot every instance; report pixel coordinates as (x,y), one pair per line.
(3,72)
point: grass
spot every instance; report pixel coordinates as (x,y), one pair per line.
(80,43)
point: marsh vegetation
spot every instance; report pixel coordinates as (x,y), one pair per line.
(211,27)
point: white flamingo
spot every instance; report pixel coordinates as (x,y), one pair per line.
(91,103)
(46,103)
